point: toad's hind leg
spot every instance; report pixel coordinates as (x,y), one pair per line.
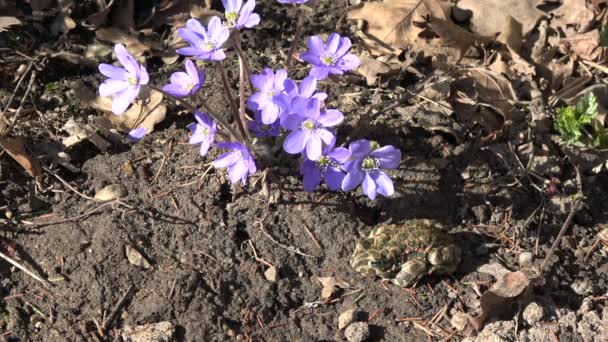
(411,271)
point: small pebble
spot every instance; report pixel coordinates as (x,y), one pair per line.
(357,332)
(460,321)
(346,318)
(533,313)
(111,192)
(582,287)
(525,258)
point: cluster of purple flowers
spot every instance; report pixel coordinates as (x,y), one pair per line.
(280,105)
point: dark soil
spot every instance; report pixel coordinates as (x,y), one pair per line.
(199,233)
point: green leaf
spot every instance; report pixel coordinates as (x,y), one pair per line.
(570,121)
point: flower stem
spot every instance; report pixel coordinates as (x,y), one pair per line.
(296,37)
(235,111)
(193,109)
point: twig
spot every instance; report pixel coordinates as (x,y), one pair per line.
(291,249)
(70,187)
(233,106)
(27,91)
(108,321)
(577,203)
(10,100)
(75,218)
(25,270)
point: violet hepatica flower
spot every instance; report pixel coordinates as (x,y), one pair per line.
(203,131)
(239,17)
(328,167)
(185,83)
(293,94)
(239,161)
(204,43)
(366,166)
(269,84)
(261,130)
(123,83)
(331,58)
(309,128)
(136,134)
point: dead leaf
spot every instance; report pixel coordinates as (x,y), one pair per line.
(490,17)
(115,36)
(494,301)
(331,287)
(145,113)
(80,131)
(371,69)
(573,12)
(271,274)
(16,149)
(390,24)
(135,258)
(452,35)
(97,51)
(587,46)
(6,22)
(96,20)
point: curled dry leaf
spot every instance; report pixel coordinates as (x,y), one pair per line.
(587,46)
(490,17)
(331,286)
(115,36)
(16,149)
(135,258)
(372,68)
(97,19)
(494,301)
(6,22)
(80,131)
(573,12)
(390,24)
(145,113)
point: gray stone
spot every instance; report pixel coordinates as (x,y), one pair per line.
(357,332)
(346,318)
(525,258)
(533,313)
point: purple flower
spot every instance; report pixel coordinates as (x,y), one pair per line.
(203,131)
(261,130)
(292,1)
(327,167)
(204,44)
(239,161)
(136,134)
(331,58)
(185,83)
(292,93)
(123,83)
(244,18)
(309,128)
(269,84)
(366,166)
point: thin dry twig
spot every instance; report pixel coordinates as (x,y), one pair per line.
(121,302)
(289,248)
(25,270)
(70,187)
(10,100)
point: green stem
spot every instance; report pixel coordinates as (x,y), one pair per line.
(235,111)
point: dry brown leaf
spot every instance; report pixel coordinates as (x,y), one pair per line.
(96,20)
(16,149)
(6,22)
(495,300)
(490,17)
(331,286)
(390,24)
(271,274)
(79,131)
(371,69)
(494,89)
(115,36)
(452,35)
(587,46)
(573,12)
(146,112)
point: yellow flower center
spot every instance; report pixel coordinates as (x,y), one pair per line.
(328,60)
(133,81)
(309,125)
(231,18)
(209,46)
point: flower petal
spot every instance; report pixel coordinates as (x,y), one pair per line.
(143,75)
(330,117)
(114,72)
(263,81)
(369,187)
(332,44)
(343,47)
(175,90)
(308,86)
(205,144)
(137,133)
(389,156)
(125,58)
(195,26)
(334,178)
(312,176)
(315,45)
(327,136)
(314,147)
(319,72)
(123,99)
(279,79)
(352,179)
(296,142)
(384,184)
(291,122)
(112,86)
(360,148)
(348,62)
(339,154)
(237,171)
(226,159)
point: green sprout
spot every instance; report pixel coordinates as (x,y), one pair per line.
(580,126)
